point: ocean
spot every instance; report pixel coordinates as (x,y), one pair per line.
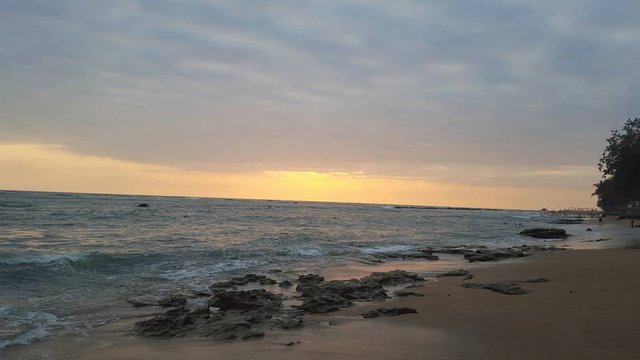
(70,262)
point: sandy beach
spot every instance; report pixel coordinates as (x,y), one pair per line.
(587,310)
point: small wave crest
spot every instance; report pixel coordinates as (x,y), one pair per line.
(306,252)
(45,259)
(386,249)
(31,327)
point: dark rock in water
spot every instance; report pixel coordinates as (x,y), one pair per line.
(403,293)
(285,284)
(172,323)
(589,229)
(413,255)
(394,311)
(545,233)
(275,271)
(143,205)
(459,272)
(173,301)
(507,288)
(243,280)
(243,300)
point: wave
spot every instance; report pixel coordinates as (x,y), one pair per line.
(198,271)
(40,326)
(306,252)
(45,259)
(386,249)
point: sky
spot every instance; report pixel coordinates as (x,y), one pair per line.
(463,103)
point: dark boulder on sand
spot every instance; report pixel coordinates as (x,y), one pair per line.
(394,311)
(324,296)
(507,288)
(243,300)
(545,233)
(459,272)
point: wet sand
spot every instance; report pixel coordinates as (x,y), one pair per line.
(589,309)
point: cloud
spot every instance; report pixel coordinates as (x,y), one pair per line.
(344,85)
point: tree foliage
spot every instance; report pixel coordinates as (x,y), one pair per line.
(620,167)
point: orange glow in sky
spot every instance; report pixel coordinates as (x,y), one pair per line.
(55,168)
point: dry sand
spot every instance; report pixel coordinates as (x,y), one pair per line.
(590,309)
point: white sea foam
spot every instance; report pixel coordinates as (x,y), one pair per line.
(42,324)
(44,259)
(205,271)
(386,249)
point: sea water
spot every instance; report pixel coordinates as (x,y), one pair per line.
(69,262)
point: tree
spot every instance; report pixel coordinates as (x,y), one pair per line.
(620,167)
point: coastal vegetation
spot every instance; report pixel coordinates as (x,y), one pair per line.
(619,190)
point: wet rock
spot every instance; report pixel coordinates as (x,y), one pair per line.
(545,233)
(459,272)
(403,293)
(240,315)
(324,303)
(348,289)
(243,300)
(483,255)
(468,277)
(173,301)
(143,205)
(540,248)
(412,255)
(243,280)
(252,334)
(392,278)
(507,288)
(310,279)
(285,284)
(394,311)
(589,229)
(173,323)
(535,281)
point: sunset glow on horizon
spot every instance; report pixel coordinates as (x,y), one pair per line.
(481,104)
(27,166)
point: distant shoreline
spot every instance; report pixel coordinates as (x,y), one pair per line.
(397,206)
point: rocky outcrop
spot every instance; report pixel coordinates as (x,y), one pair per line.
(248,314)
(321,296)
(143,205)
(243,280)
(545,233)
(459,272)
(506,287)
(243,315)
(394,311)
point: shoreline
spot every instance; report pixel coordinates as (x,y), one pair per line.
(586,310)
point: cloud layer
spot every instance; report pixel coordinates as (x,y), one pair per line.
(389,88)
